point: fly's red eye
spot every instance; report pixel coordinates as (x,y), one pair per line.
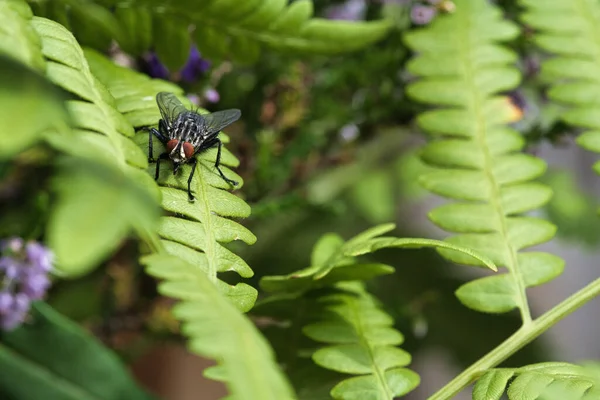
(188,149)
(171,144)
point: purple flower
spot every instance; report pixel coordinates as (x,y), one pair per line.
(6,302)
(23,279)
(193,68)
(211,95)
(9,267)
(39,255)
(155,68)
(14,244)
(349,132)
(351,10)
(422,15)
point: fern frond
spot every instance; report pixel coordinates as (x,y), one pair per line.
(218,330)
(192,231)
(17,37)
(361,341)
(549,381)
(95,112)
(24,88)
(244,28)
(99,136)
(568,30)
(333,260)
(333,307)
(222,28)
(463,68)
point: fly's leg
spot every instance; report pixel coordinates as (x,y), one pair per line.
(218,161)
(159,135)
(192,161)
(163,156)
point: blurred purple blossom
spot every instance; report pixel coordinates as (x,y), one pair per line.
(349,132)
(422,15)
(194,99)
(23,278)
(211,95)
(194,67)
(192,70)
(351,10)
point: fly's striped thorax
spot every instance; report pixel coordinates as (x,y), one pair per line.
(189,128)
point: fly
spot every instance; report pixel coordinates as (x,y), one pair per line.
(186,133)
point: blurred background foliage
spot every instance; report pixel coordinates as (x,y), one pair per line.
(326,143)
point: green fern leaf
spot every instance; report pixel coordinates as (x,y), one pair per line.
(91,23)
(568,31)
(24,90)
(17,38)
(171,41)
(333,260)
(548,381)
(362,343)
(463,70)
(194,231)
(275,24)
(217,330)
(136,24)
(100,135)
(222,28)
(331,306)
(361,333)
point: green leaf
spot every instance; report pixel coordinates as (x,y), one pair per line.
(226,27)
(333,260)
(325,248)
(549,381)
(172,41)
(568,31)
(102,148)
(493,294)
(399,380)
(51,357)
(218,330)
(464,70)
(68,68)
(355,359)
(29,107)
(363,338)
(92,24)
(97,207)
(17,38)
(491,385)
(196,231)
(136,24)
(374,197)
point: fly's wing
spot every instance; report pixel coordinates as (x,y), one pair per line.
(170,107)
(218,120)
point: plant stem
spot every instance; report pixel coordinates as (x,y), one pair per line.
(526,334)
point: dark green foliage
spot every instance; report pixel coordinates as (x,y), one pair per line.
(84,368)
(325,144)
(220,29)
(333,307)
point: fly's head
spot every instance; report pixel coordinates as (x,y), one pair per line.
(179,152)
